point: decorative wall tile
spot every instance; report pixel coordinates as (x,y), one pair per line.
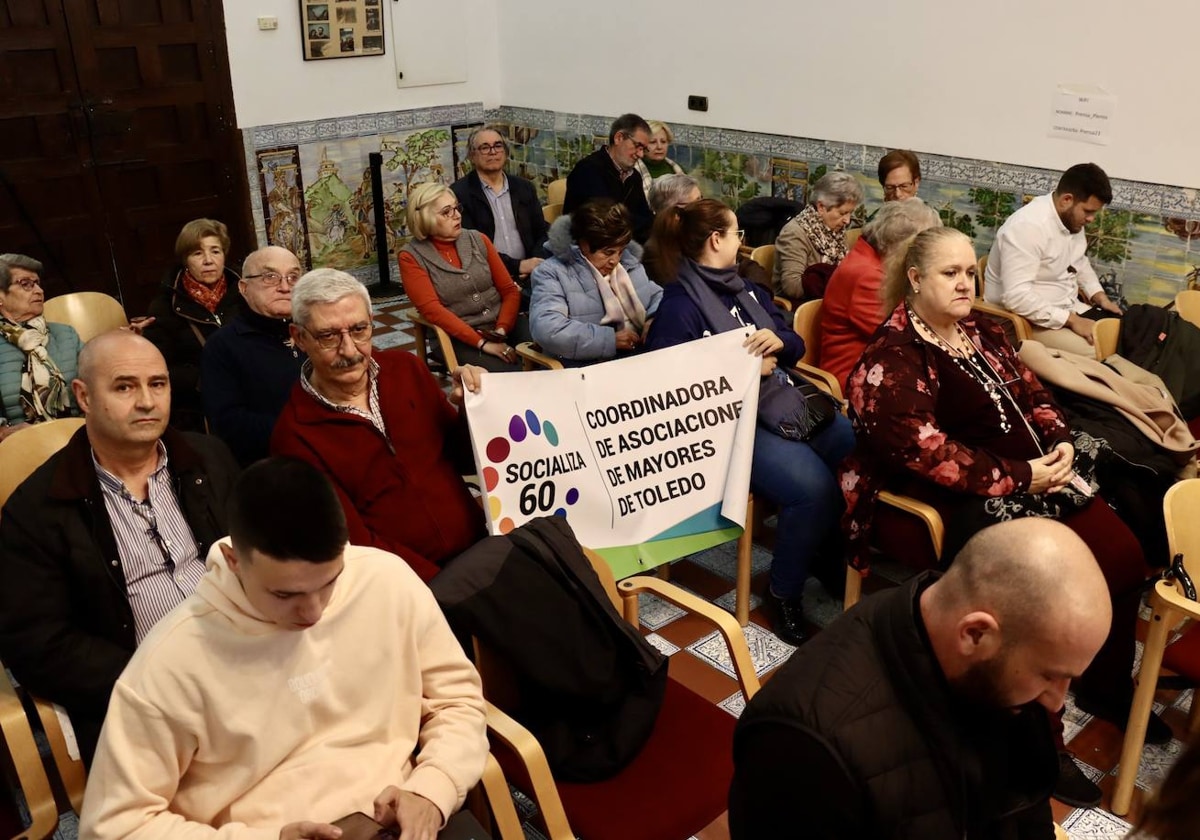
(327,129)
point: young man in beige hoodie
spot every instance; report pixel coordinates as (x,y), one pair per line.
(303,680)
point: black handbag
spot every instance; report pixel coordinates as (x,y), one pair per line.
(792,407)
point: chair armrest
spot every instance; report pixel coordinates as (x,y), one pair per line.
(725,623)
(1020,326)
(31,773)
(783,304)
(533,357)
(70,770)
(1176,600)
(823,379)
(521,742)
(927,513)
(499,802)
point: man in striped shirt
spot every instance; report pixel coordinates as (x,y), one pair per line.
(109,535)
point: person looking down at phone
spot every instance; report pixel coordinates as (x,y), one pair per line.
(303,680)
(378,424)
(946,412)
(458,282)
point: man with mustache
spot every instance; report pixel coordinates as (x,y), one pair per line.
(380,427)
(109,534)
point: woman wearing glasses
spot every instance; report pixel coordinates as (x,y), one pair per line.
(37,359)
(812,244)
(592,301)
(458,282)
(199,296)
(697,246)
(946,412)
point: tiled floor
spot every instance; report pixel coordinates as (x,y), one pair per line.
(700,660)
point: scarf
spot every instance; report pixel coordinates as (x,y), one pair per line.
(44,392)
(702,284)
(207,296)
(622,306)
(831,246)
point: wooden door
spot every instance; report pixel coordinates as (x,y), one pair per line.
(116,127)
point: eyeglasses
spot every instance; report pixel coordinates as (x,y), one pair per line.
(491,148)
(739,233)
(452,210)
(359,333)
(28,284)
(892,189)
(641,147)
(274,278)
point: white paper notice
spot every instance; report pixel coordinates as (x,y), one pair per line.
(1083,114)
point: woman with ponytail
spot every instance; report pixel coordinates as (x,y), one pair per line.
(696,257)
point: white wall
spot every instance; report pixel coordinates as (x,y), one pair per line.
(273,84)
(942,76)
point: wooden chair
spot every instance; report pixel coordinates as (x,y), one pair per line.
(23,452)
(1168,604)
(807,324)
(422,330)
(556,191)
(1187,304)
(980,279)
(533,358)
(764,255)
(688,733)
(552,211)
(90,313)
(30,771)
(1106,337)
(491,802)
(1015,327)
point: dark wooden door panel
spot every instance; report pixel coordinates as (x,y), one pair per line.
(125,133)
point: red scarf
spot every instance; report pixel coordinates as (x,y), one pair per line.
(207,296)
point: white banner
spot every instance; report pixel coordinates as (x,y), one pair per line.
(630,451)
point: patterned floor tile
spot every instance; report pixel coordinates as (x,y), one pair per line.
(766,650)
(1074,720)
(654,612)
(1184,701)
(392,339)
(820,607)
(735,704)
(664,646)
(1156,761)
(729,600)
(1094,824)
(722,560)
(68,827)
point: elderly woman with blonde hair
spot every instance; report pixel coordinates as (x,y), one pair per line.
(815,237)
(655,163)
(458,282)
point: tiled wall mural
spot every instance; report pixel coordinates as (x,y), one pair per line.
(315,193)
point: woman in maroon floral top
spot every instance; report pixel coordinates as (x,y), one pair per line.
(945,411)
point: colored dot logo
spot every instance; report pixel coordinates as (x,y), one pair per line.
(535,496)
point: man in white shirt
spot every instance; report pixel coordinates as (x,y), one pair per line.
(1038,267)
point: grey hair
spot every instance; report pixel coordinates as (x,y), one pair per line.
(670,190)
(897,221)
(325,285)
(11,261)
(479,130)
(835,189)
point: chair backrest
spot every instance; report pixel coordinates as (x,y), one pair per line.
(1187,304)
(23,452)
(27,761)
(1106,336)
(552,211)
(851,237)
(1016,328)
(807,324)
(556,191)
(1180,505)
(71,771)
(979,276)
(764,255)
(90,313)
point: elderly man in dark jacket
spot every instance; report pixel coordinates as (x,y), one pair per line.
(924,712)
(108,535)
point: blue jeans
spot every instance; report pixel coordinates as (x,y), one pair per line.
(801,478)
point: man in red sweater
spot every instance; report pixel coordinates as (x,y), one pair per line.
(380,427)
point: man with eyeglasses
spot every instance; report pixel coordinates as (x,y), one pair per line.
(109,535)
(380,427)
(609,172)
(248,367)
(502,207)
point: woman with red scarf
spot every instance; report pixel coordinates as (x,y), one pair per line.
(198,298)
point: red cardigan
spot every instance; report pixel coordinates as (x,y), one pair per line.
(852,310)
(408,498)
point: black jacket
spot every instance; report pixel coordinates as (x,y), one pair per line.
(1166,345)
(596,176)
(527,213)
(249,368)
(177,319)
(66,627)
(859,735)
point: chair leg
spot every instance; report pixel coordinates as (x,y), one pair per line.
(853,587)
(1143,701)
(745,554)
(419,340)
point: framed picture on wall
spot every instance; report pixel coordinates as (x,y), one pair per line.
(341,28)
